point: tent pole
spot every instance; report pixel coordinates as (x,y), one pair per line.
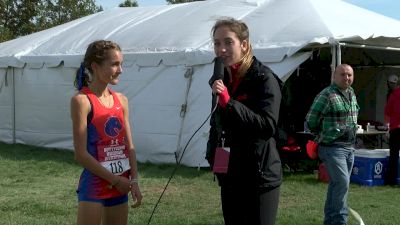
(338,55)
(333,62)
(13,107)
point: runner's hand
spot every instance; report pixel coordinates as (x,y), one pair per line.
(123,185)
(136,195)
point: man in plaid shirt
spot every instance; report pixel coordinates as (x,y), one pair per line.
(333,118)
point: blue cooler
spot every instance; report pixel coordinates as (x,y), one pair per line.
(369,167)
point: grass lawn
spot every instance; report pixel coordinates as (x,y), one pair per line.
(37,186)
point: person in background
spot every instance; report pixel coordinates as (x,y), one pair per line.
(333,118)
(102,139)
(392,117)
(392,83)
(245,121)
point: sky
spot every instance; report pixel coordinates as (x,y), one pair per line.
(390,8)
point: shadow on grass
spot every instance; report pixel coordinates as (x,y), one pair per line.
(20,152)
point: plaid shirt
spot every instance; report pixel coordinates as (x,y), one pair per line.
(333,117)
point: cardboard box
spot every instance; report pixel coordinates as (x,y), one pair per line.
(369,167)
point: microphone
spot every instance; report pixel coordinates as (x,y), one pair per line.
(217,75)
(218,70)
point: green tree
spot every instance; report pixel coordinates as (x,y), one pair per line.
(19,18)
(16,18)
(129,3)
(181,1)
(56,12)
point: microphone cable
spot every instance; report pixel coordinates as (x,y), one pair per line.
(180,159)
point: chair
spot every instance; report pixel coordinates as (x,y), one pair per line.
(294,154)
(290,153)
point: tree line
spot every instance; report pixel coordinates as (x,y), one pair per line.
(22,17)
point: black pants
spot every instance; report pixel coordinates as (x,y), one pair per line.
(249,205)
(394,145)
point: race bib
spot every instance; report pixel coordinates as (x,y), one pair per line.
(114,158)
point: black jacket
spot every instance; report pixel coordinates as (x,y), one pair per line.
(249,122)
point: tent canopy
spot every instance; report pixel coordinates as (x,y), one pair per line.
(283,27)
(168,53)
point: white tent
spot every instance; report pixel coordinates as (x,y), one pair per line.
(168,57)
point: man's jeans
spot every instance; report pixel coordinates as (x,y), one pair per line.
(338,163)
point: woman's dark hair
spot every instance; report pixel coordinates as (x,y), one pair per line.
(96,52)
